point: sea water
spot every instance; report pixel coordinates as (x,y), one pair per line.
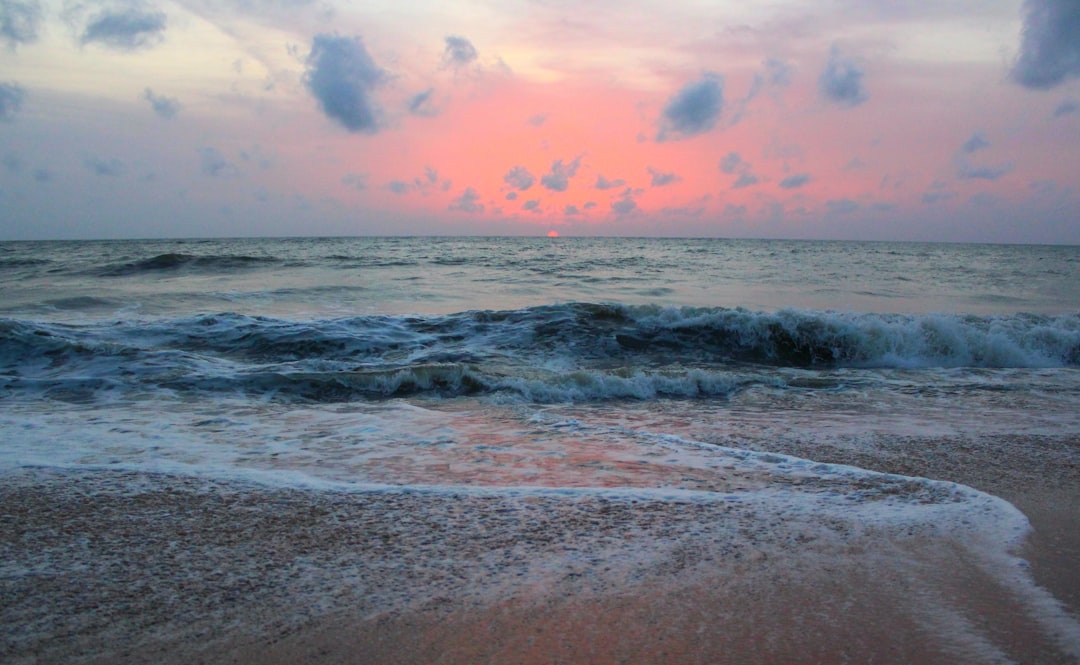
(713,372)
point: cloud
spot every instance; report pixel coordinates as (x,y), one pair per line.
(519,178)
(604,183)
(975,143)
(166,107)
(459,52)
(532,204)
(421,104)
(1066,107)
(214,164)
(1050,45)
(399,187)
(967,171)
(733,163)
(571,210)
(112,168)
(467,202)
(559,177)
(512,196)
(625,204)
(842,81)
(778,72)
(126,29)
(11,100)
(930,198)
(19,21)
(343,76)
(795,181)
(538,119)
(358,181)
(694,109)
(661,179)
(841,206)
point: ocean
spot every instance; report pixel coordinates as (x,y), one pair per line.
(526,418)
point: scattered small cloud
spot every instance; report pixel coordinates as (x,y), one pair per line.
(537,120)
(512,196)
(214,164)
(421,104)
(625,204)
(532,205)
(933,197)
(604,183)
(733,163)
(842,81)
(125,29)
(19,21)
(693,110)
(968,171)
(165,107)
(571,210)
(399,187)
(841,207)
(111,168)
(975,143)
(519,178)
(343,77)
(661,179)
(468,202)
(1066,107)
(778,72)
(558,179)
(357,181)
(459,52)
(11,100)
(795,181)
(1050,44)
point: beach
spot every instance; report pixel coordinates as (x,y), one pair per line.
(131,567)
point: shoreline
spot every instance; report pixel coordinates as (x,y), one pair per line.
(190,570)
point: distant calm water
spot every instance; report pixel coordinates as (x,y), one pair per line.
(522,366)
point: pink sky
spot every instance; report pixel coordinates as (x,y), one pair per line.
(801,119)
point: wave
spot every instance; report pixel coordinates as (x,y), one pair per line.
(175,261)
(554,353)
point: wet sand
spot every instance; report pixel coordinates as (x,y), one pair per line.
(113,567)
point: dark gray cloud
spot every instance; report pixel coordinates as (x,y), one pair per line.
(459,52)
(661,179)
(571,210)
(745,179)
(604,183)
(421,104)
(1050,45)
(842,81)
(1066,107)
(126,29)
(166,107)
(512,196)
(11,100)
(795,181)
(469,202)
(19,21)
(694,109)
(343,77)
(112,168)
(558,179)
(399,187)
(532,205)
(520,178)
(212,163)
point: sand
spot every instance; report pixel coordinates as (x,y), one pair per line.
(122,567)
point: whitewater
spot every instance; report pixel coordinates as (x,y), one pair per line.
(471,422)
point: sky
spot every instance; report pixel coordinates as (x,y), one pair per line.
(954,120)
